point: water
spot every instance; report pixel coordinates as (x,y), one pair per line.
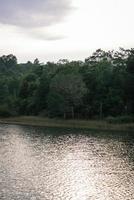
(57,164)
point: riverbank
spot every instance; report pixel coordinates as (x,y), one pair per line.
(82,124)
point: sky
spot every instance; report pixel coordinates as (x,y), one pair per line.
(64,29)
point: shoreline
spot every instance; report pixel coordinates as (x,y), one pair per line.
(96,125)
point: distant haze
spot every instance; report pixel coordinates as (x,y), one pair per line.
(54,29)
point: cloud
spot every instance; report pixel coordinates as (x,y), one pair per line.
(33,13)
(46,33)
(46,36)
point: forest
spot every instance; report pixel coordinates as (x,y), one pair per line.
(101,86)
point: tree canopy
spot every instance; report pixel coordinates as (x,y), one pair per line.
(101,86)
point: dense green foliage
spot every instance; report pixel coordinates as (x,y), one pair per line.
(101,86)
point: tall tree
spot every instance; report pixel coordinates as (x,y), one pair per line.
(71,88)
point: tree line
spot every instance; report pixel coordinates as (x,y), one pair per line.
(100,86)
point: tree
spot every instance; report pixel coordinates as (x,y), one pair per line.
(103,85)
(27,94)
(4,93)
(56,104)
(9,60)
(129,88)
(71,88)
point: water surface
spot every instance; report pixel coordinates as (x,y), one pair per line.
(60,164)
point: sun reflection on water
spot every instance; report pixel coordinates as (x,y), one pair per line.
(66,167)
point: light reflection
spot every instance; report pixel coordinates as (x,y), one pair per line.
(76,167)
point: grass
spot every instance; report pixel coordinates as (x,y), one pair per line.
(82,124)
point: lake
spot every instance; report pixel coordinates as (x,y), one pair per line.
(65,164)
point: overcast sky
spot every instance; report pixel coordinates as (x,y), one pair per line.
(54,29)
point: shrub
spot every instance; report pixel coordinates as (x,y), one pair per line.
(120,119)
(4,111)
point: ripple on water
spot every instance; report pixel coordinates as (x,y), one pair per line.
(36,165)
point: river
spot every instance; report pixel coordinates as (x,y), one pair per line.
(62,164)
